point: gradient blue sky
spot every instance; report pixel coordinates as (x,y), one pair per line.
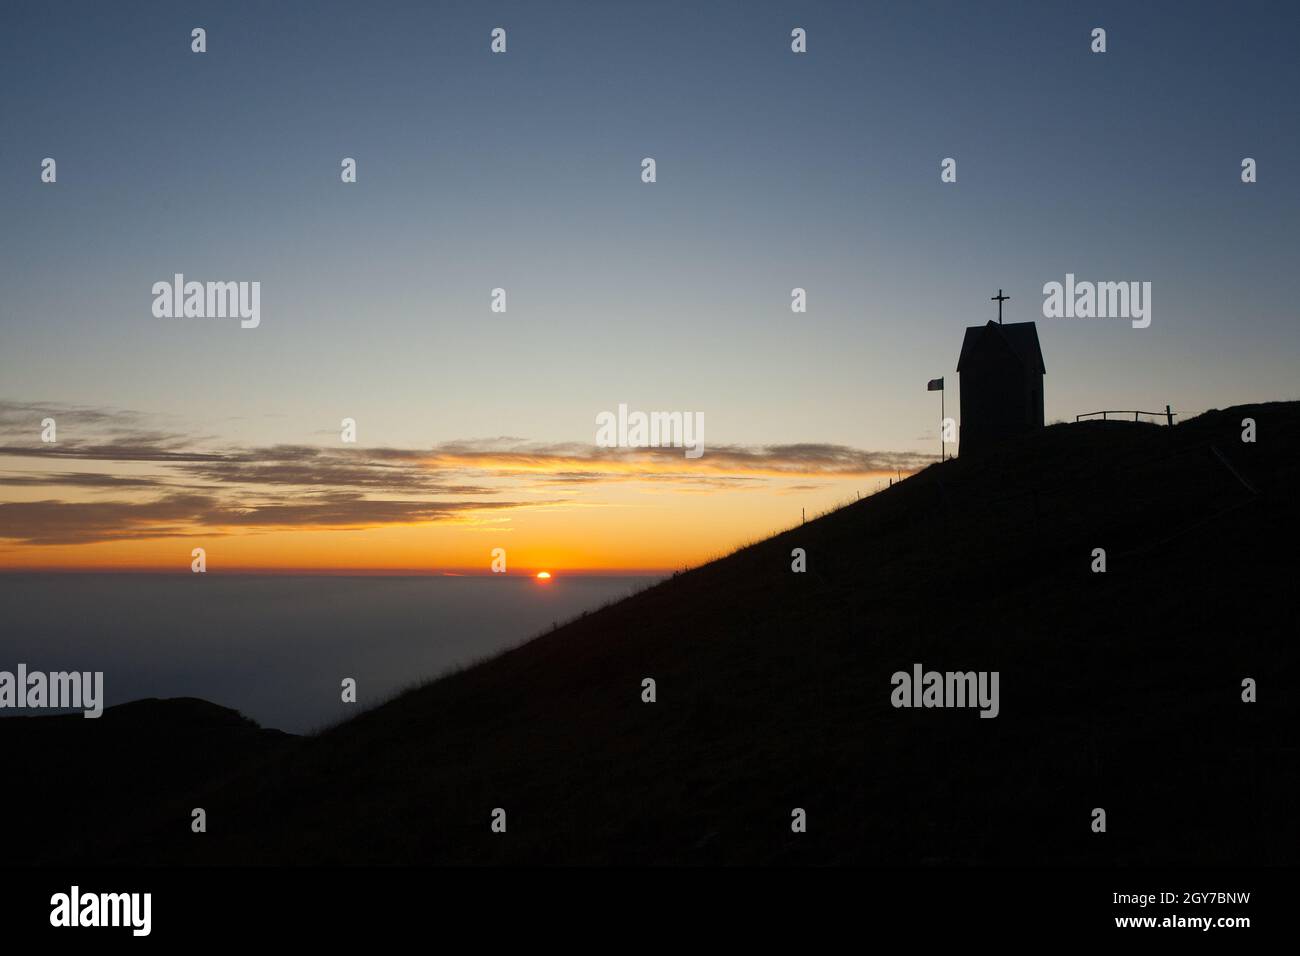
(521,170)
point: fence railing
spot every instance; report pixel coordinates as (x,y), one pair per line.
(1168,414)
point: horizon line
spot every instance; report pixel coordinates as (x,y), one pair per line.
(525,574)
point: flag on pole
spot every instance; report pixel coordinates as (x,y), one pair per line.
(934,385)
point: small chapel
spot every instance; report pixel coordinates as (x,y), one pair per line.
(1000,374)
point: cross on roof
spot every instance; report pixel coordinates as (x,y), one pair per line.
(999,299)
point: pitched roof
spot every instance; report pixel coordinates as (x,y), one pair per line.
(1021,337)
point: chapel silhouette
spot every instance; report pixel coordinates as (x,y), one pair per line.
(1000,374)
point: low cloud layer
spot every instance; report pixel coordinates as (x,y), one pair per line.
(176,484)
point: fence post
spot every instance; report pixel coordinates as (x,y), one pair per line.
(1169,414)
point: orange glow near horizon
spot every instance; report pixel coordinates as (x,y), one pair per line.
(606,524)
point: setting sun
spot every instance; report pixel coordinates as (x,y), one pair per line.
(543,575)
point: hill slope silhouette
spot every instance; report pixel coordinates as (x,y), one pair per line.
(1119,690)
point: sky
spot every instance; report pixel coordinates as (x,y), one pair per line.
(522,171)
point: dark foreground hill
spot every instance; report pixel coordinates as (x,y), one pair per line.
(73,782)
(1120,690)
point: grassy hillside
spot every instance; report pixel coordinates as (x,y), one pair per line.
(1118,690)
